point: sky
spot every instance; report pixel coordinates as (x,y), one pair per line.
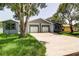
(44,13)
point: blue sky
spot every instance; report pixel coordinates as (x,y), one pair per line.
(44,13)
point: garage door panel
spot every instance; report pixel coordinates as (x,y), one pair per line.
(45,28)
(34,29)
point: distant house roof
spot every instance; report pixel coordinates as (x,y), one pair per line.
(50,19)
(39,20)
(67,25)
(9,20)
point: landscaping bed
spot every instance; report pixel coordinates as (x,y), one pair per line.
(12,45)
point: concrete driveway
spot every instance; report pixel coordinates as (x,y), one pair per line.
(58,45)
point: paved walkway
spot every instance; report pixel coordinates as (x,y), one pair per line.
(58,45)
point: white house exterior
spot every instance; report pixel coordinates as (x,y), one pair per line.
(10,27)
(39,25)
(33,26)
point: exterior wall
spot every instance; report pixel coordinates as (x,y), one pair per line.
(51,27)
(67,29)
(1,27)
(1,30)
(17,27)
(10,31)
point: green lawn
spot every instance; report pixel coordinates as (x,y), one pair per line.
(12,45)
(75,34)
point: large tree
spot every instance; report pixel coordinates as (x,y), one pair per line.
(56,18)
(69,11)
(25,9)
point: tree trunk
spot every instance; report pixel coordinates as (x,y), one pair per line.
(21,18)
(71,28)
(25,26)
(21,26)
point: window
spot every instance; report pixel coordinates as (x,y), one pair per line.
(10,26)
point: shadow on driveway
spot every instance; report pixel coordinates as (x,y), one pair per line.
(73,54)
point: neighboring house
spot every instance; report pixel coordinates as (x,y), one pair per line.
(10,26)
(66,28)
(33,26)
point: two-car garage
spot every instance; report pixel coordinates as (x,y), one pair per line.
(37,28)
(40,26)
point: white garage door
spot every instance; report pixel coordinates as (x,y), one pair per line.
(45,28)
(34,28)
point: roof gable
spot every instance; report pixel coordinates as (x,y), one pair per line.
(39,21)
(11,20)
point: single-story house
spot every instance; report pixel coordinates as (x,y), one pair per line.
(66,28)
(9,26)
(33,26)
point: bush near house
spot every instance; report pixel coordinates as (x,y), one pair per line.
(12,45)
